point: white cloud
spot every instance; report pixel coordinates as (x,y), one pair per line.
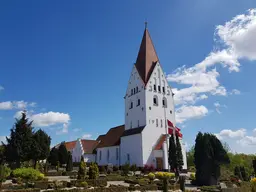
(185,113)
(87,136)
(50,118)
(2,139)
(1,88)
(63,130)
(8,105)
(235,92)
(228,133)
(218,106)
(233,41)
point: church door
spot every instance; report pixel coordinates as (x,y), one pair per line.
(159,163)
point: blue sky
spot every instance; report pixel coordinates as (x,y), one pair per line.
(68,64)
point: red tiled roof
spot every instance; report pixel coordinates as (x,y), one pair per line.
(160,142)
(89,145)
(69,145)
(112,138)
(147,57)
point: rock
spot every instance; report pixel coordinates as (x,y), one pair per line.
(102,175)
(234,186)
(137,185)
(131,173)
(91,188)
(223,185)
(156,180)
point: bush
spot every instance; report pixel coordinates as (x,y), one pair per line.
(83,184)
(96,182)
(82,169)
(133,167)
(93,171)
(148,168)
(164,175)
(151,176)
(4,172)
(125,169)
(29,174)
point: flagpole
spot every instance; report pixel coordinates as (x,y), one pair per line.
(166,138)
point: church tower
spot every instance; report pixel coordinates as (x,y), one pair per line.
(149,105)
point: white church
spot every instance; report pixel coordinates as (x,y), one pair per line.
(149,119)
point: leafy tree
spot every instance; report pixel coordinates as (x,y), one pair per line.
(63,154)
(41,146)
(179,156)
(69,166)
(54,156)
(244,174)
(209,155)
(172,153)
(82,169)
(19,145)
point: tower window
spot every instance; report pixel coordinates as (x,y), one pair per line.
(132,92)
(154,87)
(137,89)
(161,122)
(131,106)
(163,89)
(159,88)
(157,122)
(164,102)
(171,111)
(138,103)
(155,100)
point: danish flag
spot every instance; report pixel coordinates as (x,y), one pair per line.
(171,127)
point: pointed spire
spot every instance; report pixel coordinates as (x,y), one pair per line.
(147,57)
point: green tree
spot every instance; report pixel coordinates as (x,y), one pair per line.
(190,157)
(69,166)
(179,156)
(41,146)
(54,156)
(172,153)
(19,145)
(63,154)
(254,165)
(2,154)
(93,171)
(209,156)
(82,169)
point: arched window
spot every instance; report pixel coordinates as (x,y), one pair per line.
(155,100)
(157,122)
(164,102)
(138,103)
(131,106)
(132,92)
(137,89)
(161,122)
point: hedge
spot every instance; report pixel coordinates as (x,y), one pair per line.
(60,173)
